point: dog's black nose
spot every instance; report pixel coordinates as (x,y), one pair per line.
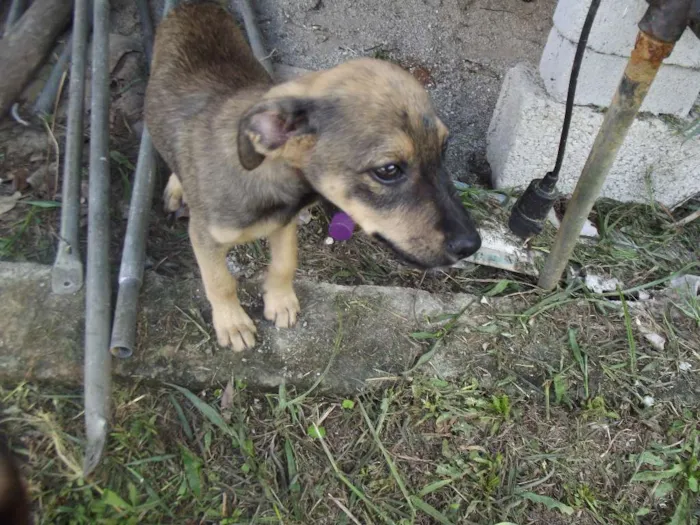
(464,245)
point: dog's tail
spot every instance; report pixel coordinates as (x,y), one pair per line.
(14,502)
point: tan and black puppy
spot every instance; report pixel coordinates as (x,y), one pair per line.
(247,156)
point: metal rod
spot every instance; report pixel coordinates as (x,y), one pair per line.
(146,30)
(46,100)
(254,36)
(67,273)
(639,74)
(133,255)
(123,340)
(44,104)
(17,8)
(97,298)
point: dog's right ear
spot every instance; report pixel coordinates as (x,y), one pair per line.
(278,128)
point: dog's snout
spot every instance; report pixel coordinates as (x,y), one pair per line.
(464,245)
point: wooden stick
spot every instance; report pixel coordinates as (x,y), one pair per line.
(25,46)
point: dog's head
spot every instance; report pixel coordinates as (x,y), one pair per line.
(367,138)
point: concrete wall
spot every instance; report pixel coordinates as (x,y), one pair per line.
(655,161)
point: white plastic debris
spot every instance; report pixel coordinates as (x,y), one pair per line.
(588,229)
(600,284)
(329,241)
(648,401)
(685,366)
(501,249)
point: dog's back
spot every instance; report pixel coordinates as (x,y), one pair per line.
(200,58)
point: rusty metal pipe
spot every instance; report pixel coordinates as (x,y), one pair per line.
(639,74)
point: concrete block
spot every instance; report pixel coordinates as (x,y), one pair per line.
(673,92)
(615,29)
(654,162)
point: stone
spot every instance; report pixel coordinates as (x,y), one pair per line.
(655,160)
(673,92)
(615,29)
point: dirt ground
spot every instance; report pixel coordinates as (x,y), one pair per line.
(607,429)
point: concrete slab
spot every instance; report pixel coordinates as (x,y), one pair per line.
(348,338)
(654,162)
(615,29)
(601,73)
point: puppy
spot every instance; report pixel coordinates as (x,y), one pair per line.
(248,155)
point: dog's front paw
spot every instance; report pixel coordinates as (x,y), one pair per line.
(233,327)
(282,307)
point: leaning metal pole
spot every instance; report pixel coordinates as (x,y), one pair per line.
(123,340)
(133,255)
(98,379)
(67,273)
(654,44)
(254,36)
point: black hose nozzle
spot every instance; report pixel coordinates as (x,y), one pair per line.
(531,209)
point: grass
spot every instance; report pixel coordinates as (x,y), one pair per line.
(424,451)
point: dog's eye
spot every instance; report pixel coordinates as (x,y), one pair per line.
(388,174)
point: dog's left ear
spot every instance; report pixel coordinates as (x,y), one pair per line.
(283,128)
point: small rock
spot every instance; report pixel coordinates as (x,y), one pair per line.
(600,284)
(329,241)
(656,340)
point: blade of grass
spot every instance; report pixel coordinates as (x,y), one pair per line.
(389,461)
(632,345)
(357,492)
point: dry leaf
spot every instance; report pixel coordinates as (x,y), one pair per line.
(8,202)
(227,401)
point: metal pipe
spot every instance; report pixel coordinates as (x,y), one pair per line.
(123,340)
(97,297)
(134,253)
(17,8)
(44,104)
(46,100)
(254,36)
(640,72)
(67,273)
(146,30)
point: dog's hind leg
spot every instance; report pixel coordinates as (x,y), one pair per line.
(281,303)
(233,326)
(173,194)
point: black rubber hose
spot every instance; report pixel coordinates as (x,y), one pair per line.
(551,178)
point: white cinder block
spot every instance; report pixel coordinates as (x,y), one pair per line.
(655,160)
(673,92)
(615,29)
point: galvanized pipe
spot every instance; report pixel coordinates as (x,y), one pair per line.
(641,70)
(254,36)
(17,8)
(44,104)
(98,379)
(123,340)
(146,30)
(67,273)
(134,253)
